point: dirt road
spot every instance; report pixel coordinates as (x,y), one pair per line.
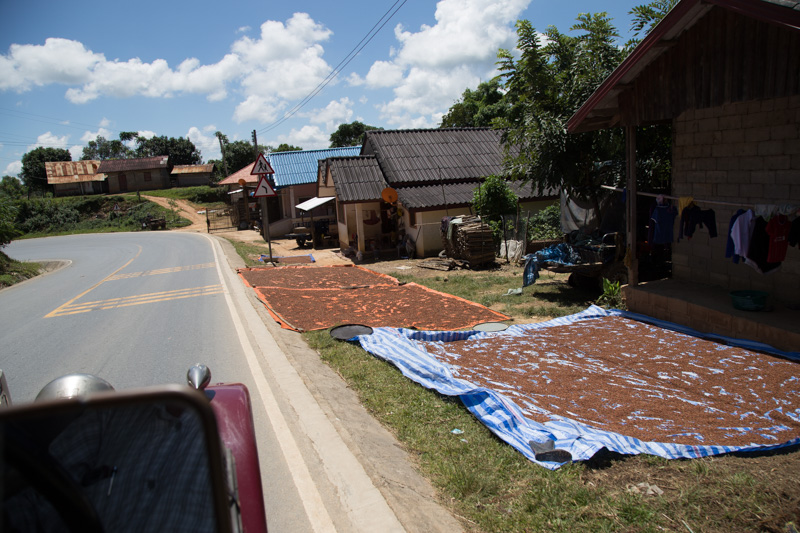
(280,247)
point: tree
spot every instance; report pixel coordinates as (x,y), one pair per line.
(238,154)
(350,134)
(283,147)
(8,213)
(33,172)
(545,87)
(101,149)
(180,151)
(11,187)
(478,108)
(645,17)
(494,198)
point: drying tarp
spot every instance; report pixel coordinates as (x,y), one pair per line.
(584,399)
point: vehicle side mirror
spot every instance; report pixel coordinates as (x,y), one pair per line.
(5,395)
(139,460)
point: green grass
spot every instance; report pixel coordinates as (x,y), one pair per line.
(246,250)
(493,488)
(202,195)
(12,271)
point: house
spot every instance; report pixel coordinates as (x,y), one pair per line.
(295,181)
(191,175)
(726,75)
(141,174)
(406,181)
(75,177)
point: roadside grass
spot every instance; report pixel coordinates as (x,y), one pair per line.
(13,271)
(204,195)
(247,251)
(493,488)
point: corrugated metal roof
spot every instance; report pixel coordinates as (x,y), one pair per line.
(60,172)
(242,173)
(436,155)
(127,165)
(357,179)
(300,167)
(457,194)
(192,169)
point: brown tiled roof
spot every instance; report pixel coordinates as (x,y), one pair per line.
(61,172)
(192,169)
(242,173)
(127,165)
(357,179)
(437,155)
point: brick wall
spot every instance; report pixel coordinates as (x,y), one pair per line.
(744,153)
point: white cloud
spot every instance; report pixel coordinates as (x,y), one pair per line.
(207,144)
(102,132)
(147,134)
(433,66)
(13,169)
(243,29)
(335,113)
(49,140)
(307,137)
(76,151)
(57,61)
(260,108)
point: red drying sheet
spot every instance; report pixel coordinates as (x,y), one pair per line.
(311,298)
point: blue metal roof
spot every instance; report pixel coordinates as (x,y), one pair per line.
(300,167)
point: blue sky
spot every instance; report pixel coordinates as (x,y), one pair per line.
(72,70)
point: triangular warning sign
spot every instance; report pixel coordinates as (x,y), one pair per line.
(264,189)
(262,166)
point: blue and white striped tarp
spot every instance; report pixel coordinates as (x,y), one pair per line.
(505,418)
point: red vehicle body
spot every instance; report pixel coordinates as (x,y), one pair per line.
(162,458)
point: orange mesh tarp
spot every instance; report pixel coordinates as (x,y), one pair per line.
(310,298)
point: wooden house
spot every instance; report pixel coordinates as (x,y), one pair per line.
(726,75)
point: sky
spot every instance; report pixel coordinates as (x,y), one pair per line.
(291,71)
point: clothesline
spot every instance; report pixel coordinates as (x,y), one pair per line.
(656,195)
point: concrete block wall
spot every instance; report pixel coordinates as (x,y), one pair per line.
(744,153)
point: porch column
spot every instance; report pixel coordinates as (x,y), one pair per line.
(630,204)
(362,243)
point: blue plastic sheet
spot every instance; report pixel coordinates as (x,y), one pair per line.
(503,417)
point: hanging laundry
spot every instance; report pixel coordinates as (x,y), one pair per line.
(662,223)
(794,233)
(730,249)
(778,229)
(758,253)
(741,233)
(692,217)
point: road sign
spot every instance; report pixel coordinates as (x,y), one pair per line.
(262,166)
(264,189)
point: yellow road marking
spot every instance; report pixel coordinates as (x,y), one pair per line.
(130,275)
(140,299)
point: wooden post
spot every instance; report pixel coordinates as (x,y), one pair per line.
(630,204)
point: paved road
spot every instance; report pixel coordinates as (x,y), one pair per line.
(139,308)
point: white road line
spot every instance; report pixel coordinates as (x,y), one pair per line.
(312,501)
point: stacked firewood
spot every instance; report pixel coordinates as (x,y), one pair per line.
(470,240)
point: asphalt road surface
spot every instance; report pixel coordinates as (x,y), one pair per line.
(138,309)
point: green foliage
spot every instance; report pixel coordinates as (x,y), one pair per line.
(494,198)
(201,194)
(180,151)
(101,149)
(33,172)
(283,147)
(478,108)
(12,271)
(237,155)
(350,134)
(612,295)
(8,213)
(11,187)
(545,224)
(645,17)
(60,216)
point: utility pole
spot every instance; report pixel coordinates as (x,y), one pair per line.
(255,145)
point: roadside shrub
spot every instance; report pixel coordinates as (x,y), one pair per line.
(545,224)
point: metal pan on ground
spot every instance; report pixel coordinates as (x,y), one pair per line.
(348,331)
(491,326)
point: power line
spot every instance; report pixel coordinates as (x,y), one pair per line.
(338,68)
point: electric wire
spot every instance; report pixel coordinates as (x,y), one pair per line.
(339,67)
